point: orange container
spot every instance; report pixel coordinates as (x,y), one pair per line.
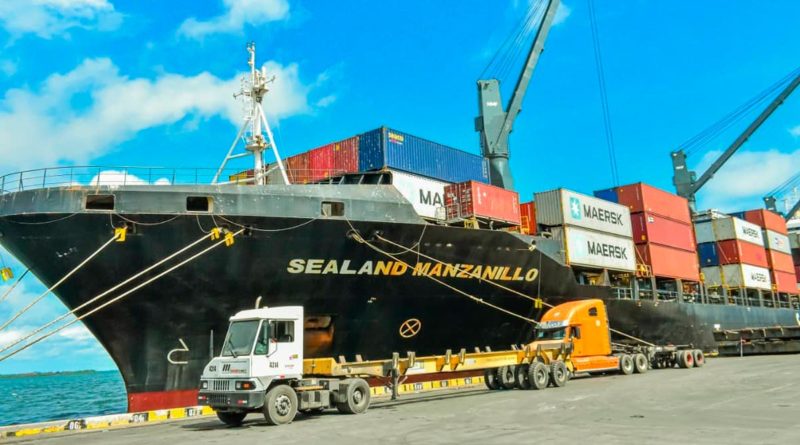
(780,261)
(784,282)
(737,251)
(641,197)
(476,199)
(652,228)
(669,262)
(766,220)
(527,211)
(297,168)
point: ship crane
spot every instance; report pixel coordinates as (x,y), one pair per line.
(770,201)
(494,124)
(686,182)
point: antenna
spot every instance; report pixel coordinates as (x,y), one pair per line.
(252,92)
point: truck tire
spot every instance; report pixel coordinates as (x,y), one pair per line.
(640,363)
(231,418)
(559,374)
(357,397)
(490,379)
(522,377)
(280,405)
(699,358)
(506,375)
(686,358)
(538,375)
(626,364)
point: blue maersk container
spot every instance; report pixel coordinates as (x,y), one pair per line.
(608,194)
(707,252)
(387,148)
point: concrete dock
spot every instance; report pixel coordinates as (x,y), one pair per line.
(751,400)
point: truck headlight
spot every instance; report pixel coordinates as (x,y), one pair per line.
(203,384)
(245,385)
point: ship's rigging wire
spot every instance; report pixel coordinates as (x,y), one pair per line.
(16,283)
(121,296)
(139,223)
(39,223)
(283,229)
(601,80)
(786,186)
(51,288)
(106,292)
(507,53)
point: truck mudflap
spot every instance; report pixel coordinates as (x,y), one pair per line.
(231,401)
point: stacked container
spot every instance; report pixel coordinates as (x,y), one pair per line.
(778,249)
(794,242)
(425,194)
(472,199)
(596,233)
(527,222)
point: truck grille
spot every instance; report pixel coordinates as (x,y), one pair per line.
(217,400)
(221,385)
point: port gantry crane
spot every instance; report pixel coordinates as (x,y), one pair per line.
(493,122)
(770,201)
(686,182)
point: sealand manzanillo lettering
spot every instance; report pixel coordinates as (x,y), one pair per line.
(319,266)
(606,250)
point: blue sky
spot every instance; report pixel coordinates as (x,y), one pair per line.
(116,82)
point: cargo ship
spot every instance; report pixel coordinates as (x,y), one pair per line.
(390,242)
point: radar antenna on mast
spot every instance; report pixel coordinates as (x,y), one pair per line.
(255,124)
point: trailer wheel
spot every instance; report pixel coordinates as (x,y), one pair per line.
(699,358)
(686,358)
(507,376)
(538,375)
(558,374)
(640,363)
(231,418)
(490,378)
(626,364)
(356,397)
(280,405)
(522,377)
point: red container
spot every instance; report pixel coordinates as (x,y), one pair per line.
(737,251)
(345,156)
(641,197)
(297,168)
(797,273)
(780,261)
(476,199)
(766,220)
(784,282)
(527,211)
(320,163)
(669,262)
(656,229)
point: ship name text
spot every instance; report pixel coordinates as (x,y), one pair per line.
(395,268)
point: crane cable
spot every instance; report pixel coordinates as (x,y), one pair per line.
(8,291)
(103,294)
(69,274)
(502,57)
(123,295)
(598,58)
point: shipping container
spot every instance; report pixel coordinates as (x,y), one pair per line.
(797,274)
(609,195)
(527,220)
(652,228)
(732,252)
(784,282)
(780,261)
(777,241)
(564,207)
(476,199)
(320,163)
(721,229)
(767,220)
(345,156)
(737,276)
(425,194)
(386,148)
(794,240)
(297,168)
(669,262)
(595,249)
(641,197)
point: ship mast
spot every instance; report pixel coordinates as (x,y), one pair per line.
(253,91)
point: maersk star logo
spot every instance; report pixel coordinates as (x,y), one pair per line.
(575,208)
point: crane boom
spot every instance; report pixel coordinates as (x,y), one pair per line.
(685,183)
(495,124)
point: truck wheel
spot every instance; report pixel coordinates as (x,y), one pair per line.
(507,376)
(685,358)
(231,418)
(356,397)
(490,378)
(626,364)
(699,358)
(522,377)
(558,374)
(538,375)
(640,363)
(280,405)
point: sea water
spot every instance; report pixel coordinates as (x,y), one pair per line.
(37,398)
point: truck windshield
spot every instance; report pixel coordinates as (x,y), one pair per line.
(551,334)
(240,338)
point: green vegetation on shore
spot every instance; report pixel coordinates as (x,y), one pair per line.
(46,374)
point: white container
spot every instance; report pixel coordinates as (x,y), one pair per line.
(794,240)
(564,207)
(722,229)
(737,275)
(595,249)
(425,194)
(777,241)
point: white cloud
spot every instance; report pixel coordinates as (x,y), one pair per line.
(561,14)
(746,178)
(39,127)
(238,13)
(116,177)
(8,67)
(51,18)
(795,131)
(76,333)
